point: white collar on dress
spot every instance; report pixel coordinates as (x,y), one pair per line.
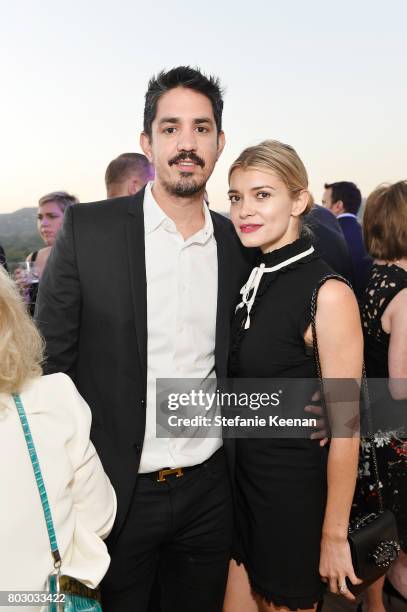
(255,277)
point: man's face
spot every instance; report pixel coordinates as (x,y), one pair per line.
(185,145)
(336,208)
(327,199)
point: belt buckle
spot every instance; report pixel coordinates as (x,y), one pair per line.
(167,472)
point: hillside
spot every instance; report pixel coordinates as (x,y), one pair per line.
(22,221)
(18,233)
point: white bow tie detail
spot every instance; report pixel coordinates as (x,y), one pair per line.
(249,289)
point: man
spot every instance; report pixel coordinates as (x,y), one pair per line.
(156,303)
(343,199)
(3,258)
(127,174)
(325,217)
(330,241)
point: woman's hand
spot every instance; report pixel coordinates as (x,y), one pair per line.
(336,565)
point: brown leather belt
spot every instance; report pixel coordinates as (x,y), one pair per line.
(161,475)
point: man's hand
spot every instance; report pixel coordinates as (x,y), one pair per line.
(322,434)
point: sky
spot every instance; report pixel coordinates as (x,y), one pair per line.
(327,77)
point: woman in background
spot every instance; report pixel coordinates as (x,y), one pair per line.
(51,210)
(293,496)
(3,258)
(81,498)
(384,317)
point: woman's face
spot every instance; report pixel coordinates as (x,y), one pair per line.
(49,222)
(262,209)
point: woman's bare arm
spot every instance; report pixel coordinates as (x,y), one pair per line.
(340,344)
(394,322)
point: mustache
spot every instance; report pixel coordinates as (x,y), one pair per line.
(187,155)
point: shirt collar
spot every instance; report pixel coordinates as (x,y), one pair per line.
(346,215)
(154,216)
(204,234)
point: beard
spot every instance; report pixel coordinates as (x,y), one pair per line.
(185,187)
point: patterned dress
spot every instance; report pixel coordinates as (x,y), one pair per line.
(390,442)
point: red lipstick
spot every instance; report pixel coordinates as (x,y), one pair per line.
(247,228)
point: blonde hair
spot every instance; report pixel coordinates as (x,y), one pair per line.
(280,159)
(62,199)
(21,346)
(385,222)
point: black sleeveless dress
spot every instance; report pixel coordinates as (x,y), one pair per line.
(281,484)
(33,290)
(391,446)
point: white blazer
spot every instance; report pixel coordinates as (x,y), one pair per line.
(81,498)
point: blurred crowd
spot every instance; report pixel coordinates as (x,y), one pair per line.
(335,224)
(338,233)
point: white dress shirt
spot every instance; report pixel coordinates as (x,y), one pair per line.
(81,498)
(182,281)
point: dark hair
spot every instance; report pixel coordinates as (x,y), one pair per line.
(182,76)
(125,165)
(348,193)
(385,222)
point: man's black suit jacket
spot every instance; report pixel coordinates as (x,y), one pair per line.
(324,217)
(92,312)
(330,241)
(361,261)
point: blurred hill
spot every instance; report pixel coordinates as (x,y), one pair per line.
(18,233)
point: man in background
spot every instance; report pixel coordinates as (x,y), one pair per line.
(343,199)
(127,174)
(330,241)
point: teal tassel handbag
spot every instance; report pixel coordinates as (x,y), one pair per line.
(65,594)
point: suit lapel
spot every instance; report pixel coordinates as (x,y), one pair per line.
(224,299)
(137,269)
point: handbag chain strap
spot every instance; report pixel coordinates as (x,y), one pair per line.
(365,390)
(39,480)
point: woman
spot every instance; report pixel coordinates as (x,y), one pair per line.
(2,258)
(293,498)
(384,317)
(51,210)
(81,498)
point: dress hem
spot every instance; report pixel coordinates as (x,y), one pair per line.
(302,602)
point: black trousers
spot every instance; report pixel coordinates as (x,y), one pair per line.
(178,534)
